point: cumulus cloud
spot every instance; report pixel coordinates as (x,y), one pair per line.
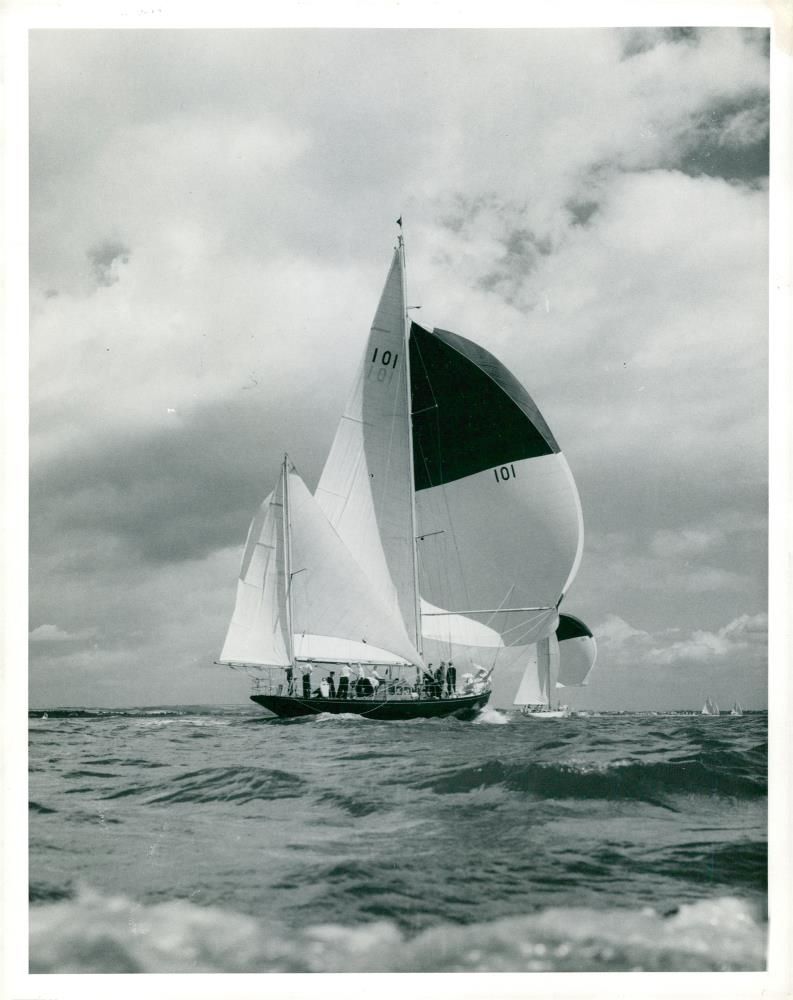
(53,633)
(616,631)
(746,635)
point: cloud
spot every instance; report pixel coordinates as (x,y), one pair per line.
(683,542)
(52,633)
(106,258)
(616,631)
(207,251)
(745,637)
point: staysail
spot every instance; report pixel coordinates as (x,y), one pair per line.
(336,613)
(577,651)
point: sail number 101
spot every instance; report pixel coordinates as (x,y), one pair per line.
(504,473)
(386,358)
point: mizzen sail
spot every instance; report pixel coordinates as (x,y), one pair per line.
(258,634)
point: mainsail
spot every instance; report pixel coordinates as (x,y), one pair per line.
(539,678)
(365,488)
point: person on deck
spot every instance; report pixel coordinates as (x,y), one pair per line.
(332,683)
(482,678)
(376,679)
(290,681)
(344,681)
(451,679)
(440,678)
(306,670)
(364,686)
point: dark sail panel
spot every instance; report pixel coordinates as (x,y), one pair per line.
(570,627)
(469,412)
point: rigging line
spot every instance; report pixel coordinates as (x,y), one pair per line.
(517,641)
(500,607)
(528,622)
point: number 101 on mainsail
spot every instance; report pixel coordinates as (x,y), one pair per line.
(443,534)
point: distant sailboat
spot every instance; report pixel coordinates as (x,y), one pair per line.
(564,659)
(443,533)
(736,709)
(710,707)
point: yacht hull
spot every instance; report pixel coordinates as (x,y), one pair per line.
(290,707)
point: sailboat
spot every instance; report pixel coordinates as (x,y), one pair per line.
(443,533)
(736,709)
(564,659)
(710,707)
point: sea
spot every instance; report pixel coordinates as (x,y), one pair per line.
(221,839)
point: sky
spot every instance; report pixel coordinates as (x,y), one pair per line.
(211,222)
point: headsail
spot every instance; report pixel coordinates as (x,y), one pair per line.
(336,613)
(257,635)
(499,523)
(577,651)
(365,487)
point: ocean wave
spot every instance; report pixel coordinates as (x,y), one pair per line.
(126,761)
(651,782)
(99,934)
(491,717)
(341,717)
(36,807)
(220,784)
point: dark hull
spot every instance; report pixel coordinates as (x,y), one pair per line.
(287,707)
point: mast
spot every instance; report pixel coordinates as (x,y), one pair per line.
(287,560)
(413,549)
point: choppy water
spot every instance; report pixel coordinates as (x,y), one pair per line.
(206,839)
